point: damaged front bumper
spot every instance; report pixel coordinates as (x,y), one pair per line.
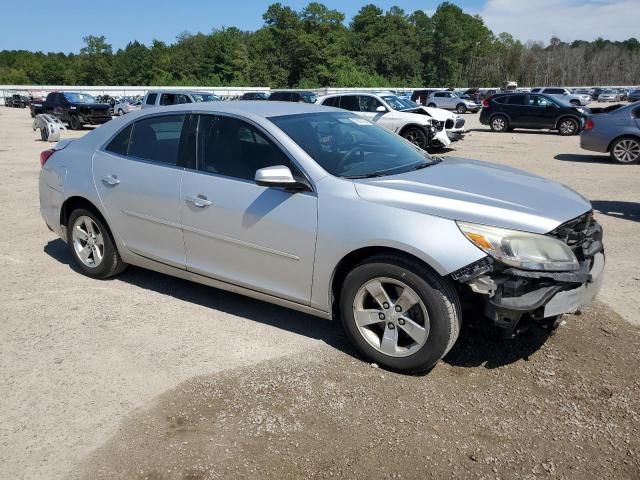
(509,294)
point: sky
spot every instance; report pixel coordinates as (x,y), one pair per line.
(60,26)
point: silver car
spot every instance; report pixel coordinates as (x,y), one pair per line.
(616,132)
(575,99)
(320,210)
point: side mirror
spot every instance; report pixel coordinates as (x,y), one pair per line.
(278,176)
(381,109)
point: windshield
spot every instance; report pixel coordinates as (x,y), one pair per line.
(204,97)
(398,103)
(79,97)
(352,147)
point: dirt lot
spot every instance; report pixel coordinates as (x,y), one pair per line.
(146,376)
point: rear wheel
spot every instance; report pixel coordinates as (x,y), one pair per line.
(399,314)
(626,150)
(575,103)
(120,112)
(568,126)
(431,105)
(461,108)
(499,123)
(417,136)
(92,245)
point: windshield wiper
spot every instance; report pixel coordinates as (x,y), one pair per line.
(434,161)
(368,175)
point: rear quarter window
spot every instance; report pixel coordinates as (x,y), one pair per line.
(151,99)
(120,143)
(500,100)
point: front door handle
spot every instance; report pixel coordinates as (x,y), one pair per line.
(199,200)
(110,179)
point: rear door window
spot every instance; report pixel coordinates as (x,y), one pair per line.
(350,102)
(168,99)
(516,100)
(157,139)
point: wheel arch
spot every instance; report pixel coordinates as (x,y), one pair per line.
(73,203)
(355,257)
(406,127)
(500,114)
(620,137)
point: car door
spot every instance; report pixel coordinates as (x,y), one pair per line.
(241,233)
(517,108)
(369,106)
(138,176)
(541,112)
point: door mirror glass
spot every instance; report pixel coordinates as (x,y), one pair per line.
(278,176)
(381,109)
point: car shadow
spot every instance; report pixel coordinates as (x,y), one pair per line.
(481,344)
(582,158)
(517,131)
(623,210)
(478,343)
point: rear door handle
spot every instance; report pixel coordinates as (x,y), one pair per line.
(110,179)
(199,200)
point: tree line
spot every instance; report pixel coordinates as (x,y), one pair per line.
(314,47)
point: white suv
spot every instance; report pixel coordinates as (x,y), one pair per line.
(162,98)
(386,110)
(451,101)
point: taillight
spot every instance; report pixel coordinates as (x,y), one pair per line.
(589,125)
(44,156)
(485,103)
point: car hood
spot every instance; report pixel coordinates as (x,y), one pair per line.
(478,192)
(439,114)
(419,118)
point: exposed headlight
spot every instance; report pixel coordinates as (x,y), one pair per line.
(528,251)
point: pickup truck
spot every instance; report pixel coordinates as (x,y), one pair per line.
(77,109)
(16,100)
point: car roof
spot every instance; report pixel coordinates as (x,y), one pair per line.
(248,108)
(169,90)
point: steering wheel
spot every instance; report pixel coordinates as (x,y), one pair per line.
(347,155)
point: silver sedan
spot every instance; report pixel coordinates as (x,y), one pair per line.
(319,210)
(616,132)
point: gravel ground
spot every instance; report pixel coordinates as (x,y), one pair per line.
(84,364)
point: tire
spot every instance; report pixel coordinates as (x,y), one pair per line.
(575,103)
(74,123)
(499,123)
(106,262)
(416,135)
(432,105)
(43,134)
(625,150)
(434,319)
(568,127)
(461,108)
(120,112)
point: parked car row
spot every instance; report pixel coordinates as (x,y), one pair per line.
(16,100)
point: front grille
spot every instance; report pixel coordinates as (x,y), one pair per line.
(582,234)
(460,123)
(98,112)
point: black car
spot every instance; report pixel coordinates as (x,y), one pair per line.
(75,108)
(506,111)
(17,101)
(291,96)
(595,93)
(255,96)
(633,95)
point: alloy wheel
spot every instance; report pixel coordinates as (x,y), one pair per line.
(417,137)
(567,127)
(88,242)
(498,124)
(391,317)
(627,151)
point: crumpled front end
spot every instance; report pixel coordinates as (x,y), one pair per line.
(509,294)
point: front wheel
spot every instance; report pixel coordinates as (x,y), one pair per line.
(92,245)
(120,112)
(568,126)
(626,150)
(74,123)
(461,108)
(399,314)
(417,136)
(431,105)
